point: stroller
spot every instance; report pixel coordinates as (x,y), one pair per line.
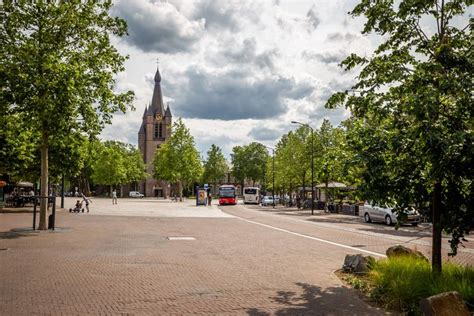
(77,208)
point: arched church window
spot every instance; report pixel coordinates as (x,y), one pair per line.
(160,131)
(157,130)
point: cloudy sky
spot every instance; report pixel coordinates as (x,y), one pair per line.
(237,71)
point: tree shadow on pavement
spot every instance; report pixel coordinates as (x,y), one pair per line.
(316,301)
(18,234)
(16,211)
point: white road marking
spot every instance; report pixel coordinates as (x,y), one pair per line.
(313,238)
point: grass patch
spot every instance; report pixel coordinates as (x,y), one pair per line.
(399,283)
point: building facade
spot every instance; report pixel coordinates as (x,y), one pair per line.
(154,131)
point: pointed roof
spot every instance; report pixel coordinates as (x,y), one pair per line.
(168,111)
(149,111)
(142,129)
(144,112)
(157,99)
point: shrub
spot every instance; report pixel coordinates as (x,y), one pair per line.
(400,282)
(456,278)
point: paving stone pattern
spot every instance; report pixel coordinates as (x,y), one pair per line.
(108,265)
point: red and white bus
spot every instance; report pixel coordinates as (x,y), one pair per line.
(227,195)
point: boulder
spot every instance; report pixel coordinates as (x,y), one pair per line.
(444,304)
(400,250)
(357,263)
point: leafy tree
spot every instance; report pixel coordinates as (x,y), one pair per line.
(215,167)
(332,154)
(256,156)
(177,160)
(57,70)
(116,163)
(17,148)
(292,159)
(238,164)
(249,162)
(413,112)
(135,166)
(109,167)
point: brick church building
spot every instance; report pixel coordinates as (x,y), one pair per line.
(154,131)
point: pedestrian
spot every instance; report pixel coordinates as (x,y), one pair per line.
(114,197)
(209,198)
(87,201)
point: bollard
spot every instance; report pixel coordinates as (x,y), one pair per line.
(52,217)
(34,213)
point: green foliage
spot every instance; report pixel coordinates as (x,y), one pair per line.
(401,282)
(292,159)
(238,163)
(458,278)
(215,166)
(18,150)
(57,58)
(411,128)
(57,73)
(116,163)
(177,160)
(249,162)
(358,283)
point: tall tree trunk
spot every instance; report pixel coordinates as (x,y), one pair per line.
(180,190)
(437,230)
(44,184)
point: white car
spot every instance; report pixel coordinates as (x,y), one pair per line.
(135,194)
(267,200)
(373,213)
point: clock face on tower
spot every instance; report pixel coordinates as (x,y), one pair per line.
(158,116)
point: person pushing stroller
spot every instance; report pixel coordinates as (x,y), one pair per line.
(77,208)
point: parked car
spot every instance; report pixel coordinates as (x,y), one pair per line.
(135,194)
(267,200)
(373,213)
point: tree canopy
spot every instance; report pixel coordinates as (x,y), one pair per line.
(116,163)
(249,162)
(57,71)
(177,160)
(215,166)
(412,112)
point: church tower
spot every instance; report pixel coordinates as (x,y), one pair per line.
(154,131)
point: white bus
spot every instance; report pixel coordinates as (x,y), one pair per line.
(251,195)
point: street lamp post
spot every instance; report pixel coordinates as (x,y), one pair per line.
(312,163)
(273,173)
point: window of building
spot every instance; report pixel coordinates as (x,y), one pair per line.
(160,131)
(157,128)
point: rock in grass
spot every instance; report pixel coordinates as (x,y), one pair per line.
(400,250)
(444,304)
(357,263)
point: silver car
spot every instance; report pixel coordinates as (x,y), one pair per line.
(373,213)
(267,200)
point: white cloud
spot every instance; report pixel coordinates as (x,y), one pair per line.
(237,71)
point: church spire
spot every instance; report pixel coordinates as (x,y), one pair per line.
(168,111)
(157,99)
